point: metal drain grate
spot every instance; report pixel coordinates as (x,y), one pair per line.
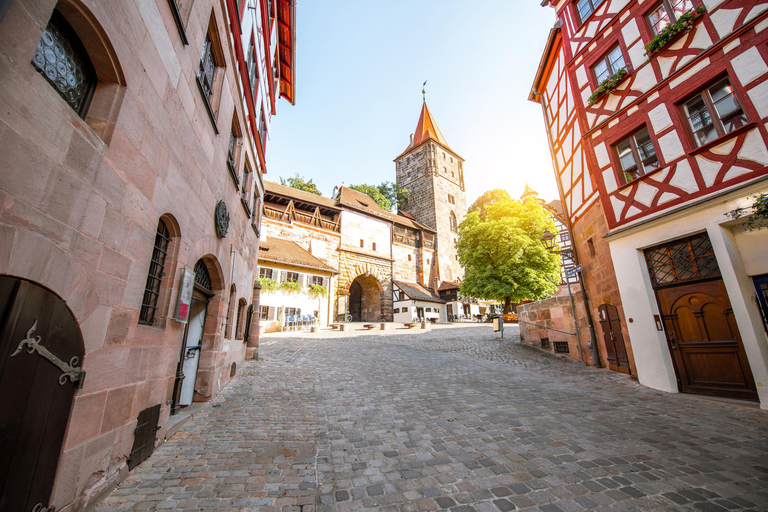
(561,347)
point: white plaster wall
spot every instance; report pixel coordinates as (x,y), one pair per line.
(356,227)
(753,248)
(735,254)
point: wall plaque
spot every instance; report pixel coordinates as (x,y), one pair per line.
(222,219)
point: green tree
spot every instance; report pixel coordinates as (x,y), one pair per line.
(487,198)
(301,183)
(500,248)
(387,195)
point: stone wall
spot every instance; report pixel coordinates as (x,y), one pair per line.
(80,201)
(599,275)
(553,319)
(352,265)
(432,173)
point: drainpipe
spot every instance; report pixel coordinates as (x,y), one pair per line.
(567,219)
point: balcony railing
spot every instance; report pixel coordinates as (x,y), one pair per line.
(291,215)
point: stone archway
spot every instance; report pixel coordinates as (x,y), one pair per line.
(365,299)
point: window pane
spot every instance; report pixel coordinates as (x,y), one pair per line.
(700,121)
(727,105)
(626,157)
(659,19)
(601,71)
(646,150)
(680,7)
(585,9)
(617,60)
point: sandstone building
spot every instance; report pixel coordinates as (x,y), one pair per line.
(132,136)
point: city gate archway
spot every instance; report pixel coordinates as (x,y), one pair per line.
(365,299)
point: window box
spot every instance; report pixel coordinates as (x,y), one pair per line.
(607,86)
(682,25)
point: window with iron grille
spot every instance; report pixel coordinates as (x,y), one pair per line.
(561,347)
(202,277)
(61,58)
(232,152)
(714,112)
(245,195)
(207,68)
(688,259)
(155,275)
(544,342)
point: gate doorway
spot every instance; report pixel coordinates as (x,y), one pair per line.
(701,332)
(191,346)
(41,356)
(613,338)
(365,299)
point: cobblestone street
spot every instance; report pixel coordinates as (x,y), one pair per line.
(449,419)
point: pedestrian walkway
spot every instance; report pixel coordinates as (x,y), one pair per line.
(449,419)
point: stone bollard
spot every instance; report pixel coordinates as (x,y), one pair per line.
(384,326)
(315,328)
(425,325)
(344,327)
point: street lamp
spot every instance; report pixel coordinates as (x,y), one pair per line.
(548,239)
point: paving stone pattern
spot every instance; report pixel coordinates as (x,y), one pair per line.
(449,419)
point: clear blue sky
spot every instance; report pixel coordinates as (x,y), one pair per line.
(360,67)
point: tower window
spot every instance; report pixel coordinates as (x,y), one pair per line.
(591,247)
(409,257)
(445,170)
(451,199)
(452,219)
(362,243)
(443,155)
(374,246)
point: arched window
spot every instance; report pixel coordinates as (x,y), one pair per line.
(452,219)
(61,58)
(230,312)
(241,305)
(155,275)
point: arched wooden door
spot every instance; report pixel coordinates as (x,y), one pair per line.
(41,356)
(705,341)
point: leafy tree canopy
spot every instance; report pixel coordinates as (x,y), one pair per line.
(500,248)
(301,183)
(387,195)
(487,198)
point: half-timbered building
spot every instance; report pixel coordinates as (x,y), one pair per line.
(662,127)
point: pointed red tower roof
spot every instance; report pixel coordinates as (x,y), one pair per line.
(427,129)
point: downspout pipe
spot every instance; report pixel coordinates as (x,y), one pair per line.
(567,219)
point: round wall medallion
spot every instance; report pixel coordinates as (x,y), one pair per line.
(222,219)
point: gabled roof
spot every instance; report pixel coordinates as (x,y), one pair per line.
(356,200)
(278,250)
(426,129)
(449,285)
(415,291)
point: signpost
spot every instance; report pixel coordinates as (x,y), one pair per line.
(570,272)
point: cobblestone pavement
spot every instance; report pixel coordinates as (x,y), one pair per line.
(449,419)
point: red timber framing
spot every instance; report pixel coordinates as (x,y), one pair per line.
(266,32)
(721,44)
(286,19)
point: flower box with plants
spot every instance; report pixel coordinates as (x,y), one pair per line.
(684,24)
(607,86)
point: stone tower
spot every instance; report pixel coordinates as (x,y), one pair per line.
(434,174)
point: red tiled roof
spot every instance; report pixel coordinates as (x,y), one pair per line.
(277,250)
(415,291)
(427,129)
(449,285)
